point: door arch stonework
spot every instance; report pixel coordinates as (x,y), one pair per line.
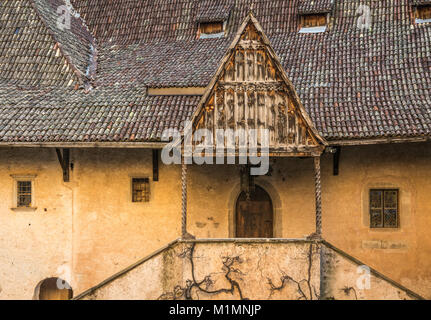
(276,207)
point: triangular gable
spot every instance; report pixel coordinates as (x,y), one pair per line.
(250,90)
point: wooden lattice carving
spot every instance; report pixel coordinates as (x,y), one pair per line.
(251,92)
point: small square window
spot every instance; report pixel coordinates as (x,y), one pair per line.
(24,194)
(211,29)
(313,23)
(423,14)
(384,208)
(140,190)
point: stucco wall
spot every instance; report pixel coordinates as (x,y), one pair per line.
(91,226)
(221,270)
(34,245)
(402,254)
(111,231)
(225,269)
(346,278)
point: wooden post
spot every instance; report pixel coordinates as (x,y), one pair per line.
(155,165)
(64,160)
(318,196)
(336,160)
(184,200)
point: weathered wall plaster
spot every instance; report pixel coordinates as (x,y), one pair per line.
(226,269)
(91,227)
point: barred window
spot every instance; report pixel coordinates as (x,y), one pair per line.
(140,189)
(24,193)
(384,208)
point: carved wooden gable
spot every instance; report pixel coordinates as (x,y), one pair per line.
(251,91)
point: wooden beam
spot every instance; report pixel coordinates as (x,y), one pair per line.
(64,160)
(176,91)
(118,145)
(336,160)
(363,142)
(155,165)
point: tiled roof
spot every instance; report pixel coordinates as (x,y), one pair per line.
(76,41)
(354,83)
(103,115)
(210,10)
(35,52)
(314,6)
(29,54)
(161,64)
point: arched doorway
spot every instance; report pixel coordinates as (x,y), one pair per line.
(53,289)
(254,216)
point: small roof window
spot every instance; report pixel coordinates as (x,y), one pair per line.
(313,23)
(423,14)
(214,29)
(212,17)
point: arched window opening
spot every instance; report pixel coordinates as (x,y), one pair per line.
(53,289)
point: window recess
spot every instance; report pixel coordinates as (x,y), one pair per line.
(313,23)
(140,189)
(423,14)
(384,208)
(23,192)
(214,29)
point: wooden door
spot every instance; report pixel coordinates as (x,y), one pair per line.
(254,217)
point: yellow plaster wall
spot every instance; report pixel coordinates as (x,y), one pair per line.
(34,245)
(113,232)
(249,269)
(92,226)
(402,254)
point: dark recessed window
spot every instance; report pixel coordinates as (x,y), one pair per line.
(140,189)
(24,193)
(313,23)
(384,208)
(423,14)
(211,29)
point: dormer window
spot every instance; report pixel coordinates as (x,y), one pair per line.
(214,29)
(423,14)
(212,17)
(313,23)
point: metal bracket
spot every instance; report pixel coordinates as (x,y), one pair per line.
(64,160)
(155,165)
(336,160)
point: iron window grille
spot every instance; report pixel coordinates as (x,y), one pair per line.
(384,211)
(140,190)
